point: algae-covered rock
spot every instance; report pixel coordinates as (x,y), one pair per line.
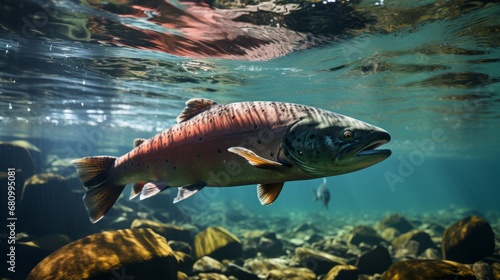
(263,266)
(395,221)
(217,243)
(138,253)
(342,272)
(390,233)
(291,273)
(428,269)
(424,240)
(317,261)
(49,206)
(468,240)
(171,232)
(365,234)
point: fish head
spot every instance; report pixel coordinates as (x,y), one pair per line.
(333,144)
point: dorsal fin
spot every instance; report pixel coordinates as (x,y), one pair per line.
(194,107)
(138,141)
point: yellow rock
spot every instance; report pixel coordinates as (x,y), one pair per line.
(291,273)
(344,272)
(217,243)
(428,269)
(138,253)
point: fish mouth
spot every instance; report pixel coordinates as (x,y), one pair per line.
(371,149)
(368,149)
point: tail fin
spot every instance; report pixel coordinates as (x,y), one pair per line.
(102,193)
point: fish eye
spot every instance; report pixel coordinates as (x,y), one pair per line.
(348,135)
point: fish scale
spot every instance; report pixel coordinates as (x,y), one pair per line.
(265,143)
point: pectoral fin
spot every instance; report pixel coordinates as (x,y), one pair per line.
(187,191)
(269,192)
(254,159)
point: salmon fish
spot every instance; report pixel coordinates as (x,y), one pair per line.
(264,143)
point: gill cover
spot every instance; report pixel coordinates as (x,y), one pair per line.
(312,146)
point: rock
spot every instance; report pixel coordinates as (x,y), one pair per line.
(365,234)
(180,246)
(207,264)
(271,247)
(48,206)
(468,240)
(239,272)
(170,232)
(212,276)
(17,156)
(428,269)
(422,238)
(395,221)
(181,275)
(496,270)
(374,261)
(316,261)
(217,243)
(291,273)
(483,271)
(431,254)
(138,253)
(390,233)
(185,262)
(263,266)
(342,272)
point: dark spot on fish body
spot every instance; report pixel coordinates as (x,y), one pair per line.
(166,160)
(175,167)
(219,151)
(312,136)
(271,154)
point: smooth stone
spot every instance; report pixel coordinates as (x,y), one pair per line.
(483,271)
(364,234)
(263,266)
(270,247)
(317,261)
(297,242)
(217,243)
(428,269)
(395,221)
(140,253)
(239,272)
(374,261)
(468,240)
(291,273)
(390,233)
(207,264)
(210,276)
(342,272)
(422,238)
(170,232)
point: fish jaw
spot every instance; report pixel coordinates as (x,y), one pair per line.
(364,154)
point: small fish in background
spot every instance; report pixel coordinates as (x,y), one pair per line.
(322,193)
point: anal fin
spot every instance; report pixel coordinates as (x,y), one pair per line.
(151,189)
(136,189)
(269,192)
(187,191)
